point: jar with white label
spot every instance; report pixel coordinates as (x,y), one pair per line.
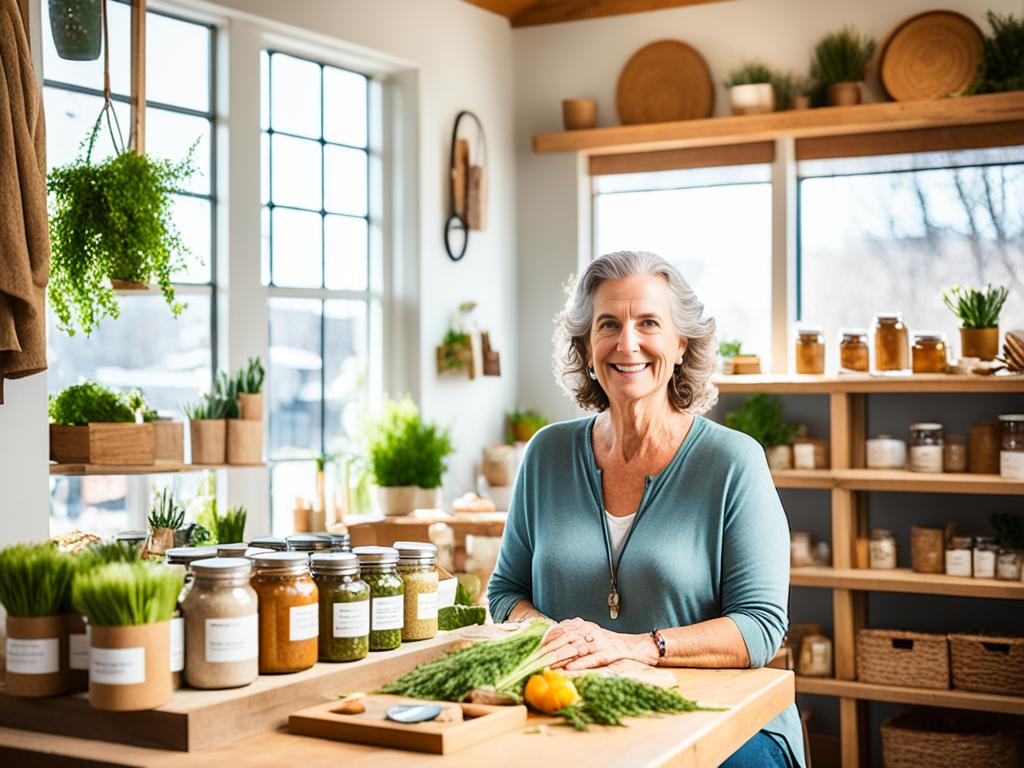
(886,452)
(882,549)
(985,552)
(959,558)
(926,448)
(288,610)
(417,565)
(185,557)
(1008,564)
(221,624)
(1011,448)
(344,606)
(379,569)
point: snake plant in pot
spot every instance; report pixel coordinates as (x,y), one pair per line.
(978,312)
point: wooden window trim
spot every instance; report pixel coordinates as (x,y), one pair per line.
(910,141)
(680,159)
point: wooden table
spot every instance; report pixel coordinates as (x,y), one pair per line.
(691,740)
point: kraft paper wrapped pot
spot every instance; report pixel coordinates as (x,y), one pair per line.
(37,656)
(130,667)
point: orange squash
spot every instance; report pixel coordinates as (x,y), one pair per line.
(550,691)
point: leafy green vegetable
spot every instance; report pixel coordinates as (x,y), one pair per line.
(127,594)
(761,418)
(750,73)
(403,449)
(462,596)
(976,308)
(165,512)
(841,57)
(250,378)
(459,615)
(35,579)
(606,699)
(1002,64)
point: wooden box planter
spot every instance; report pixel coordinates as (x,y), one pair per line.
(990,664)
(244,441)
(103,443)
(895,657)
(169,439)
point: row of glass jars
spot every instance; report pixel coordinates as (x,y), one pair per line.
(933,451)
(979,556)
(890,353)
(281,611)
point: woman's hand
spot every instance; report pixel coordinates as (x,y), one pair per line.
(576,644)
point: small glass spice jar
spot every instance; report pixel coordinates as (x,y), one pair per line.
(959,558)
(954,453)
(882,549)
(344,606)
(417,565)
(985,552)
(289,612)
(892,345)
(270,542)
(810,350)
(929,353)
(1008,564)
(926,447)
(235,549)
(853,350)
(341,542)
(309,542)
(379,569)
(1011,446)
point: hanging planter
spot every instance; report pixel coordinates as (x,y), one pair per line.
(75,25)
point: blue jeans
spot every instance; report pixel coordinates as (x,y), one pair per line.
(761,751)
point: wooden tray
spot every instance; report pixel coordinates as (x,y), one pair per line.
(481,722)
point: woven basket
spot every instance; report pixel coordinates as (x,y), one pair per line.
(894,657)
(921,736)
(988,663)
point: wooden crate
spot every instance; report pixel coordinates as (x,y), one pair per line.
(169,439)
(103,443)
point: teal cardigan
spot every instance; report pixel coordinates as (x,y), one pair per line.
(710,539)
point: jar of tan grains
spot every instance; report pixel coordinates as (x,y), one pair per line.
(853,350)
(417,565)
(379,568)
(289,614)
(344,606)
(810,350)
(926,441)
(185,557)
(892,345)
(222,628)
(1011,446)
(929,354)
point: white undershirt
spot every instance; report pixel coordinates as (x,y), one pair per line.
(618,527)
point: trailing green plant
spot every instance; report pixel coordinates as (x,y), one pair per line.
(531,421)
(227,389)
(1009,529)
(112,221)
(1002,61)
(841,57)
(750,73)
(974,307)
(165,512)
(127,594)
(760,416)
(88,402)
(405,450)
(730,348)
(35,579)
(250,378)
(209,406)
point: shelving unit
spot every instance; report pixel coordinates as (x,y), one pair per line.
(80,470)
(850,689)
(905,580)
(896,480)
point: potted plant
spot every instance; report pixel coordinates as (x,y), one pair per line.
(760,417)
(92,424)
(407,458)
(455,353)
(244,436)
(522,425)
(1002,63)
(228,528)
(250,389)
(35,583)
(111,227)
(978,311)
(750,89)
(129,607)
(75,25)
(839,62)
(727,352)
(165,518)
(793,91)
(207,423)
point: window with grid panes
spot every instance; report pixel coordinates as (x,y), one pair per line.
(315,263)
(170,359)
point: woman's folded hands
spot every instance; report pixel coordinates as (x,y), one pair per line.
(576,644)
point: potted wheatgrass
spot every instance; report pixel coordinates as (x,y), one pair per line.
(34,585)
(129,608)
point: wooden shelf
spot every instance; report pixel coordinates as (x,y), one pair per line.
(922,383)
(905,580)
(852,689)
(826,121)
(139,469)
(803,478)
(898,480)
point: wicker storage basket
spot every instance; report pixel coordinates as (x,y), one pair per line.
(895,657)
(988,663)
(921,736)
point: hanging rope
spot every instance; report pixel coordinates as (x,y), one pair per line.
(113,125)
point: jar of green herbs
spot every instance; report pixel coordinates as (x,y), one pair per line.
(379,569)
(344,607)
(417,565)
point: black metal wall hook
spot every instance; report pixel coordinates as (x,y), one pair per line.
(456,222)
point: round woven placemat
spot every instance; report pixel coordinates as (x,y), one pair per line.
(931,56)
(666,80)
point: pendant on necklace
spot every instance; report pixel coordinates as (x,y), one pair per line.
(613,604)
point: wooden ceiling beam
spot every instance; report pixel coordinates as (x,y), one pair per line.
(529,13)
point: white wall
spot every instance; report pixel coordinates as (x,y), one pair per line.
(583,60)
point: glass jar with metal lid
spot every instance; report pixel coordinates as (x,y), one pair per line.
(341,542)
(1011,446)
(810,350)
(417,565)
(274,543)
(183,556)
(959,559)
(132,538)
(985,552)
(379,569)
(289,613)
(221,628)
(853,350)
(309,542)
(344,606)
(882,549)
(892,345)
(929,353)
(926,442)
(235,549)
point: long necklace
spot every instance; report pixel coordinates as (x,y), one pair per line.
(615,597)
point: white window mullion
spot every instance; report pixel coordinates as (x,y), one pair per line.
(784,238)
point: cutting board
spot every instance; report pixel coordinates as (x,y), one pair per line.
(472,724)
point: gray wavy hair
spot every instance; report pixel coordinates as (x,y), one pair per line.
(690,388)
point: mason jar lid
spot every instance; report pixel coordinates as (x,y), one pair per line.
(132,536)
(225,568)
(281,561)
(412,551)
(234,549)
(808,330)
(270,542)
(251,552)
(929,336)
(341,542)
(186,555)
(309,542)
(926,426)
(890,316)
(1012,417)
(335,563)
(376,555)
